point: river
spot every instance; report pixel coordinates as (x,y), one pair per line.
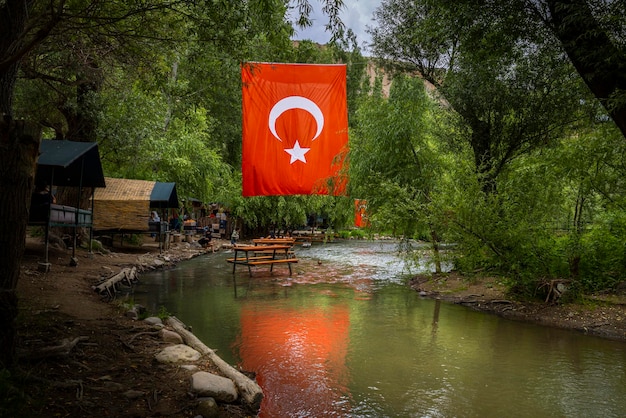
(345,336)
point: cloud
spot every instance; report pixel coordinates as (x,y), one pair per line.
(356,15)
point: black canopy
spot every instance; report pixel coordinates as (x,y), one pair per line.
(164,195)
(69,163)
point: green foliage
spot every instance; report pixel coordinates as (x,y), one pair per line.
(344,233)
(494,64)
(354,233)
(533,199)
(393,164)
(133,239)
(603,249)
(163,314)
(558,214)
(262,213)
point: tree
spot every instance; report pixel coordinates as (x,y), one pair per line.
(395,164)
(492,63)
(592,34)
(18,154)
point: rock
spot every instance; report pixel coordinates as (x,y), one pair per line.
(158,263)
(207,408)
(177,353)
(220,388)
(132,314)
(154,320)
(171,336)
(133,394)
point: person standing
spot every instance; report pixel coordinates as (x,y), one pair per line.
(234,237)
(175,223)
(155,220)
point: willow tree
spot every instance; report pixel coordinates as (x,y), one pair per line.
(395,164)
(495,64)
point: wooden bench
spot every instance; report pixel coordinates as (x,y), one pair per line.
(251,256)
(274,241)
(290,253)
(274,261)
(260,261)
(244,260)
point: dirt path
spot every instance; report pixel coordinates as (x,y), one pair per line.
(111,371)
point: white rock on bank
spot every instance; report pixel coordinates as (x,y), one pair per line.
(171,336)
(177,353)
(217,387)
(153,320)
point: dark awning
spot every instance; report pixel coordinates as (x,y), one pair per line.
(69,163)
(164,196)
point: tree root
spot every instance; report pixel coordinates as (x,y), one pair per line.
(110,286)
(139,334)
(61,350)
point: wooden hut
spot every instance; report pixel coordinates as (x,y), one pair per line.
(66,164)
(125,204)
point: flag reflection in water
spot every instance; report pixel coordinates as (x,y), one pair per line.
(299,358)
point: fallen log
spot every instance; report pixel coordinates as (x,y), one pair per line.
(109,287)
(251,393)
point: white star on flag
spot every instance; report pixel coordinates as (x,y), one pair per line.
(297,153)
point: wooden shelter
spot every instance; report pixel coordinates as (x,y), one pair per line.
(125,205)
(67,164)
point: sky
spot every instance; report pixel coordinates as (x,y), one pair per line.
(356,15)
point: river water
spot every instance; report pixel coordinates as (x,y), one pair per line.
(344,336)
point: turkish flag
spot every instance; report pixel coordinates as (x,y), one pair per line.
(295,128)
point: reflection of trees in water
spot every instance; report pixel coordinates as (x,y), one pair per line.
(435,323)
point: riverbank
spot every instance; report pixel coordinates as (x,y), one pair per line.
(599,315)
(111,368)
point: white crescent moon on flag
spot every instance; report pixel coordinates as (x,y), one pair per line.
(296,102)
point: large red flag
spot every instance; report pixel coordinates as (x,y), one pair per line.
(295,128)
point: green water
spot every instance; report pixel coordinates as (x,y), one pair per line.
(345,337)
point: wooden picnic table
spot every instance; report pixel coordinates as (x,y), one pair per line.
(274,241)
(256,255)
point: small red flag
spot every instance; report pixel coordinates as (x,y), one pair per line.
(360,213)
(295,128)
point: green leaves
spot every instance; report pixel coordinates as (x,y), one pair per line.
(392,161)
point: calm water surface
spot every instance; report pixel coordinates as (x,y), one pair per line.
(345,337)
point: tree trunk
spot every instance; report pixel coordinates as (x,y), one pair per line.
(597,59)
(19,149)
(13,17)
(436,253)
